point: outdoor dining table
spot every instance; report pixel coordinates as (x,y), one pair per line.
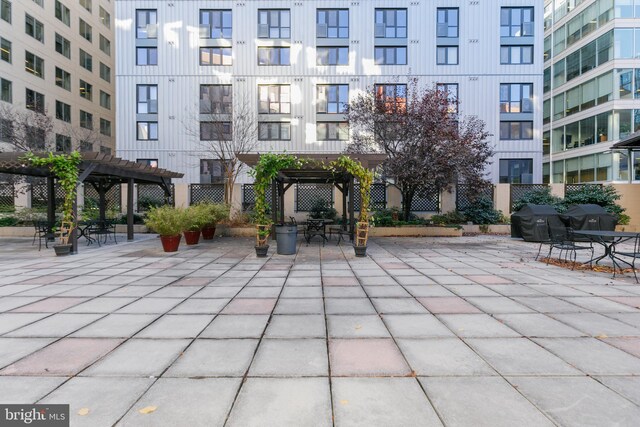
(608,240)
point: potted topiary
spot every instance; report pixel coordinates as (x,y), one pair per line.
(213,214)
(365,178)
(168,222)
(64,168)
(264,172)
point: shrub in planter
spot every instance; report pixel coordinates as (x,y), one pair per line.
(481,211)
(602,195)
(320,209)
(540,197)
(449,218)
(212,213)
(168,222)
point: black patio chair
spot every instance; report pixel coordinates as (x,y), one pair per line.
(635,253)
(340,231)
(315,227)
(561,239)
(42,231)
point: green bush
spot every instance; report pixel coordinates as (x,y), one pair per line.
(320,209)
(166,220)
(602,195)
(449,218)
(8,221)
(540,197)
(482,212)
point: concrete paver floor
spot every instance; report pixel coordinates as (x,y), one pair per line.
(467,331)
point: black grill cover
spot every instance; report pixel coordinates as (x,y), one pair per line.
(532,222)
(589,217)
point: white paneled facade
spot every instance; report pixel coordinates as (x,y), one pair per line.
(178,73)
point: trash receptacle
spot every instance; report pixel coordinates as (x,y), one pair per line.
(286,239)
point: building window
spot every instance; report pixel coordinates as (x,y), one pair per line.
(86,4)
(33,64)
(215,131)
(211,171)
(105,18)
(6,130)
(105,150)
(516,130)
(216,99)
(63,143)
(85,30)
(149,162)
(105,73)
(215,24)
(274,131)
(63,111)
(392,96)
(215,56)
(62,13)
(86,120)
(5,10)
(274,24)
(6,91)
(516,98)
(63,79)
(86,90)
(516,54)
(516,21)
(86,147)
(391,23)
(39,2)
(332,55)
(391,55)
(447,25)
(332,23)
(447,55)
(105,100)
(273,56)
(34,28)
(332,99)
(105,127)
(147,99)
(63,46)
(451,89)
(34,101)
(332,131)
(86,60)
(147,56)
(516,171)
(147,131)
(105,45)
(146,24)
(274,99)
(5,50)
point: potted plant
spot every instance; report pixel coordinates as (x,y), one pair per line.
(264,172)
(169,223)
(64,168)
(195,219)
(365,178)
(213,214)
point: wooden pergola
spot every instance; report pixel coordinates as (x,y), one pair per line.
(102,172)
(315,172)
(629,144)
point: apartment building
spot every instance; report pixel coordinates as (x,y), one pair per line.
(57,59)
(591,89)
(183,66)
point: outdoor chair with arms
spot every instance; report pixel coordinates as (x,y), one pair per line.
(42,231)
(635,253)
(315,227)
(562,238)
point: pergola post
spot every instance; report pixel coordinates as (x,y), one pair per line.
(102,203)
(343,190)
(73,233)
(351,213)
(130,209)
(281,201)
(274,207)
(51,202)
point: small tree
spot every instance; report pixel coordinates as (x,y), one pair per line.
(427,143)
(230,132)
(25,130)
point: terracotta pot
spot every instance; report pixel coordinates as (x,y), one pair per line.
(261,251)
(192,237)
(208,233)
(170,243)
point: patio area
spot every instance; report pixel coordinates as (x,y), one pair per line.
(467,331)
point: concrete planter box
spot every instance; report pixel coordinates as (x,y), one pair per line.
(137,228)
(226,231)
(414,231)
(630,228)
(495,228)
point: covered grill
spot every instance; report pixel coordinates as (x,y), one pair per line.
(532,222)
(589,217)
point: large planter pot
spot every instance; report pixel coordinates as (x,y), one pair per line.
(361,251)
(261,251)
(62,250)
(192,237)
(170,243)
(208,233)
